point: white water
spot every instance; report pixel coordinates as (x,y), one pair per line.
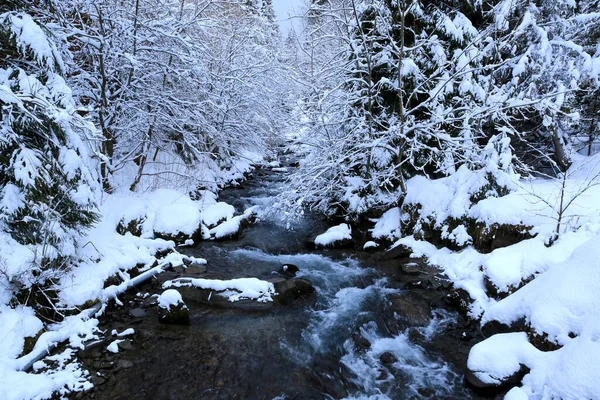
(350,302)
(413,370)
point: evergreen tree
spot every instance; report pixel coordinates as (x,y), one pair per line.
(47,183)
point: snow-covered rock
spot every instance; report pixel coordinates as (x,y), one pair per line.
(336,236)
(173,220)
(172,309)
(289,270)
(560,302)
(217,213)
(232,228)
(388,226)
(233,290)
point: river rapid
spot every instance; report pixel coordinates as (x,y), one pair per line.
(376,327)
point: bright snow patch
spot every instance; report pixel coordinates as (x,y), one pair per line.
(168,298)
(113,347)
(215,213)
(572,372)
(15,325)
(126,332)
(560,302)
(388,226)
(370,245)
(232,225)
(334,234)
(181,217)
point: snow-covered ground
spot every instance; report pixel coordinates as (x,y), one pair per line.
(561,302)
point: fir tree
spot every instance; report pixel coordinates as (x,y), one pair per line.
(47,189)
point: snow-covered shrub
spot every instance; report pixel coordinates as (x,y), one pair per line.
(47,185)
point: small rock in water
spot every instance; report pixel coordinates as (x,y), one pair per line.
(411,268)
(387,358)
(288,270)
(196,268)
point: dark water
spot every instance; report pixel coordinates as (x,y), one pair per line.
(344,341)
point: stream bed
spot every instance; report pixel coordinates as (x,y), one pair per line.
(375,327)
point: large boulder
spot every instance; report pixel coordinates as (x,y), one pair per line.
(172,309)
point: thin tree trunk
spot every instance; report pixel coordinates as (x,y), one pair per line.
(400,155)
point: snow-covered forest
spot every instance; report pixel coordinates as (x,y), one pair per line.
(444,150)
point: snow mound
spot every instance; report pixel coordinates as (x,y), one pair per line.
(113,347)
(561,301)
(233,225)
(215,213)
(173,219)
(388,226)
(234,289)
(126,332)
(572,372)
(334,234)
(15,325)
(370,245)
(168,298)
(501,356)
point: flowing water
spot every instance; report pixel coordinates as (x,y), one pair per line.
(344,341)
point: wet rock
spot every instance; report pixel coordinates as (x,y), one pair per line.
(123,364)
(92,350)
(487,238)
(411,309)
(493,291)
(290,289)
(191,268)
(125,345)
(196,268)
(30,342)
(400,251)
(411,268)
(97,380)
(387,358)
(172,309)
(177,315)
(542,342)
(288,270)
(102,364)
(491,328)
(360,341)
(180,237)
(133,226)
(460,300)
(427,393)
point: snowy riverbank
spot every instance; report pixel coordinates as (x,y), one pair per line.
(544,284)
